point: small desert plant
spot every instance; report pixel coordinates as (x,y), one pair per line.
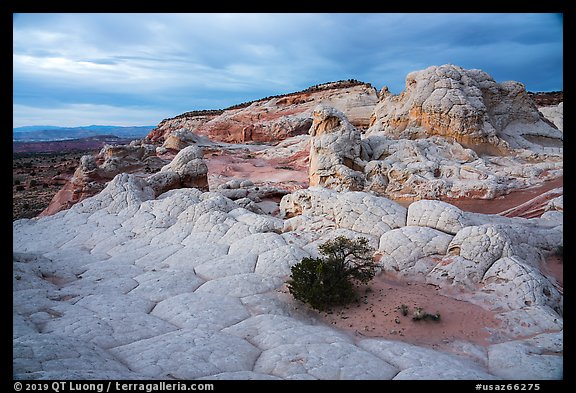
(420,314)
(329,281)
(404,309)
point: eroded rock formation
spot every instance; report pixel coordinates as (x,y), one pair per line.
(555,114)
(453,133)
(467,106)
(334,151)
(483,257)
(182,138)
(276,118)
(187,169)
(432,167)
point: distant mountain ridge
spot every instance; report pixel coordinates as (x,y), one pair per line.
(44,133)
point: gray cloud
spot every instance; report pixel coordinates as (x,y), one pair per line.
(191,61)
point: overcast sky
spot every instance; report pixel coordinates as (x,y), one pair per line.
(137,69)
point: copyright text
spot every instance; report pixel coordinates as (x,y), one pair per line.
(110,386)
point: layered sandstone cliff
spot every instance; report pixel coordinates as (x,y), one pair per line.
(276,118)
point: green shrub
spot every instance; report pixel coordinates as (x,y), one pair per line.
(329,281)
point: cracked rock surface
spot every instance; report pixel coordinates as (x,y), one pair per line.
(188,285)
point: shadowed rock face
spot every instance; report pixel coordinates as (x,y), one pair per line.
(277,118)
(467,106)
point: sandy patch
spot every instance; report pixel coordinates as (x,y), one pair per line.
(378,314)
(58,281)
(286,173)
(505,202)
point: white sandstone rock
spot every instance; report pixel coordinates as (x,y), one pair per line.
(357,211)
(438,215)
(188,354)
(337,360)
(240,285)
(158,285)
(105,328)
(402,248)
(55,353)
(123,192)
(187,169)
(181,138)
(536,358)
(201,310)
(257,243)
(452,132)
(555,114)
(334,151)
(227,265)
(467,105)
(259,222)
(271,331)
(482,244)
(530,320)
(278,261)
(417,363)
(517,284)
(190,285)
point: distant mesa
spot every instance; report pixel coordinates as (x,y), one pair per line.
(53,133)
